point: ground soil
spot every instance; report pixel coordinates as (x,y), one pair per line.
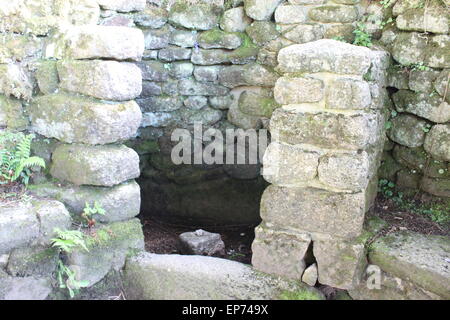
(400,219)
(162,237)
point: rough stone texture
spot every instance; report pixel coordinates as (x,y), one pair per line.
(151,276)
(391,288)
(340,263)
(287,14)
(346,93)
(32,261)
(441,84)
(122,5)
(157,38)
(310,275)
(235,20)
(260,9)
(78,119)
(414,257)
(28,288)
(327,130)
(12,114)
(152,17)
(289,165)
(303,33)
(262,32)
(107,80)
(298,90)
(437,142)
(121,202)
(280,252)
(422,80)
(422,105)
(215,39)
(409,48)
(173,53)
(330,14)
(201,16)
(94,165)
(437,187)
(339,214)
(258,104)
(325,56)
(408,131)
(192,88)
(38,217)
(107,250)
(91,42)
(153,71)
(14,219)
(51,214)
(15,81)
(201,242)
(38,18)
(433,20)
(249,75)
(351,171)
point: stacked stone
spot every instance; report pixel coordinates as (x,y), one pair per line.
(418,155)
(198,62)
(86,105)
(327,140)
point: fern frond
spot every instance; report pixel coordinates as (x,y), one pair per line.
(27,163)
(23,148)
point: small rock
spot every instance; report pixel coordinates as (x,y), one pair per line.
(201,242)
(310,275)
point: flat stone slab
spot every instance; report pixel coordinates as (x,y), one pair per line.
(108,248)
(421,259)
(107,80)
(325,56)
(121,202)
(78,119)
(106,165)
(312,210)
(91,42)
(28,288)
(150,276)
(350,131)
(23,223)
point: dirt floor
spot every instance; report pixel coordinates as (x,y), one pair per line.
(403,219)
(162,237)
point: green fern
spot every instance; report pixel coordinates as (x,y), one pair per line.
(15,159)
(67,240)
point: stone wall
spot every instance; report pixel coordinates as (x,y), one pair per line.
(418,152)
(72,83)
(326,145)
(103,83)
(213,62)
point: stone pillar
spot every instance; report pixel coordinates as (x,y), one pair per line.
(88,107)
(326,145)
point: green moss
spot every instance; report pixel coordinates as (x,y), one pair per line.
(302,294)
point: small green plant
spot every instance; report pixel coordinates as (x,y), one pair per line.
(386,3)
(419,67)
(66,241)
(362,37)
(339,38)
(386,187)
(15,158)
(427,127)
(89,212)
